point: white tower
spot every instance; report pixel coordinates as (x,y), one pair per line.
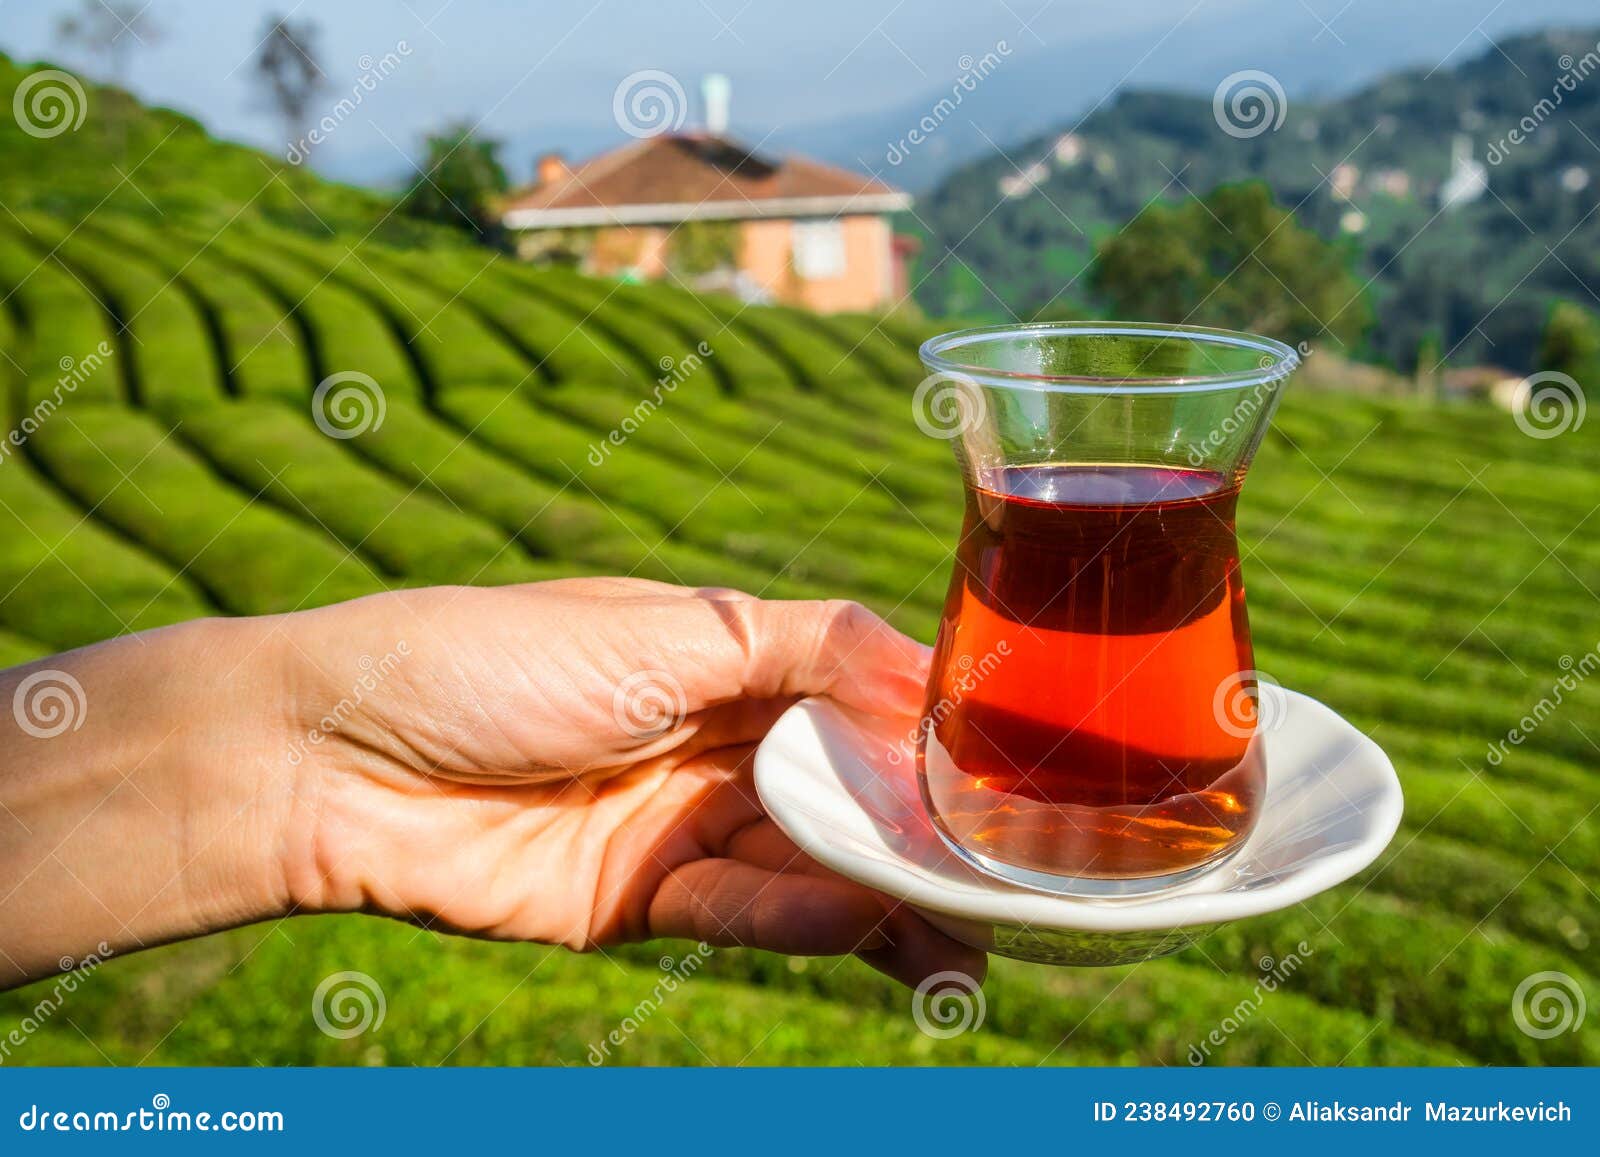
(717,92)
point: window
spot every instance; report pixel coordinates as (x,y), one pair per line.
(818,249)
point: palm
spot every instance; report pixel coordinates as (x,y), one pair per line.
(570,763)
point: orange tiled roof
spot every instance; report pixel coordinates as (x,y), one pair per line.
(679,177)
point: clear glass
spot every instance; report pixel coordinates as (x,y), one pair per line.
(1091,719)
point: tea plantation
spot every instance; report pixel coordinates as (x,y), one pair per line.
(1431,572)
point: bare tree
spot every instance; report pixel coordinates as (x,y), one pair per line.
(110,31)
(290,74)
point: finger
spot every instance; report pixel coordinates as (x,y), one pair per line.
(915,950)
(726,903)
(825,648)
(764,844)
(918,950)
(741,722)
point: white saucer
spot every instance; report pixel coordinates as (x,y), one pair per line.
(840,784)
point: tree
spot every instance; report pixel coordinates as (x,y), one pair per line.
(289,71)
(1235,259)
(459,182)
(1571,344)
(110,30)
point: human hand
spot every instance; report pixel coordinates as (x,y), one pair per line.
(564,762)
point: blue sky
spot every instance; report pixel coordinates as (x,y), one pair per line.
(543,74)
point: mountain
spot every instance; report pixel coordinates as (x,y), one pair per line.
(1062,64)
(1012,234)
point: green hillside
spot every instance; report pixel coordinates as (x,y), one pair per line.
(1479,278)
(1429,573)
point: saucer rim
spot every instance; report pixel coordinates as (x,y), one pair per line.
(1010,904)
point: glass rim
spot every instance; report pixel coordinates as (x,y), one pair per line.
(1278,360)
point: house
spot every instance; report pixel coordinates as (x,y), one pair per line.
(710,212)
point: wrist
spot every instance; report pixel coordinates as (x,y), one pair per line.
(147,798)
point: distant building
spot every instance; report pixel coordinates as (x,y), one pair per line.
(1343,180)
(1468,179)
(1068,149)
(710,211)
(1393,182)
(1024,181)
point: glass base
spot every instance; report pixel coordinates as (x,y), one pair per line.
(1088,888)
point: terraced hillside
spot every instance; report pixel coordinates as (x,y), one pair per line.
(1430,573)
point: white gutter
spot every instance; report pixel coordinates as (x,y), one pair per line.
(668,212)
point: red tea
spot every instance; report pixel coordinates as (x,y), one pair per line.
(1092,705)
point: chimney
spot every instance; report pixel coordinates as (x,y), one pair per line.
(551,169)
(717,92)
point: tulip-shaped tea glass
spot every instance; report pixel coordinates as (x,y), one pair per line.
(1091,722)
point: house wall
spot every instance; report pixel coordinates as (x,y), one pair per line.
(766,255)
(867,280)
